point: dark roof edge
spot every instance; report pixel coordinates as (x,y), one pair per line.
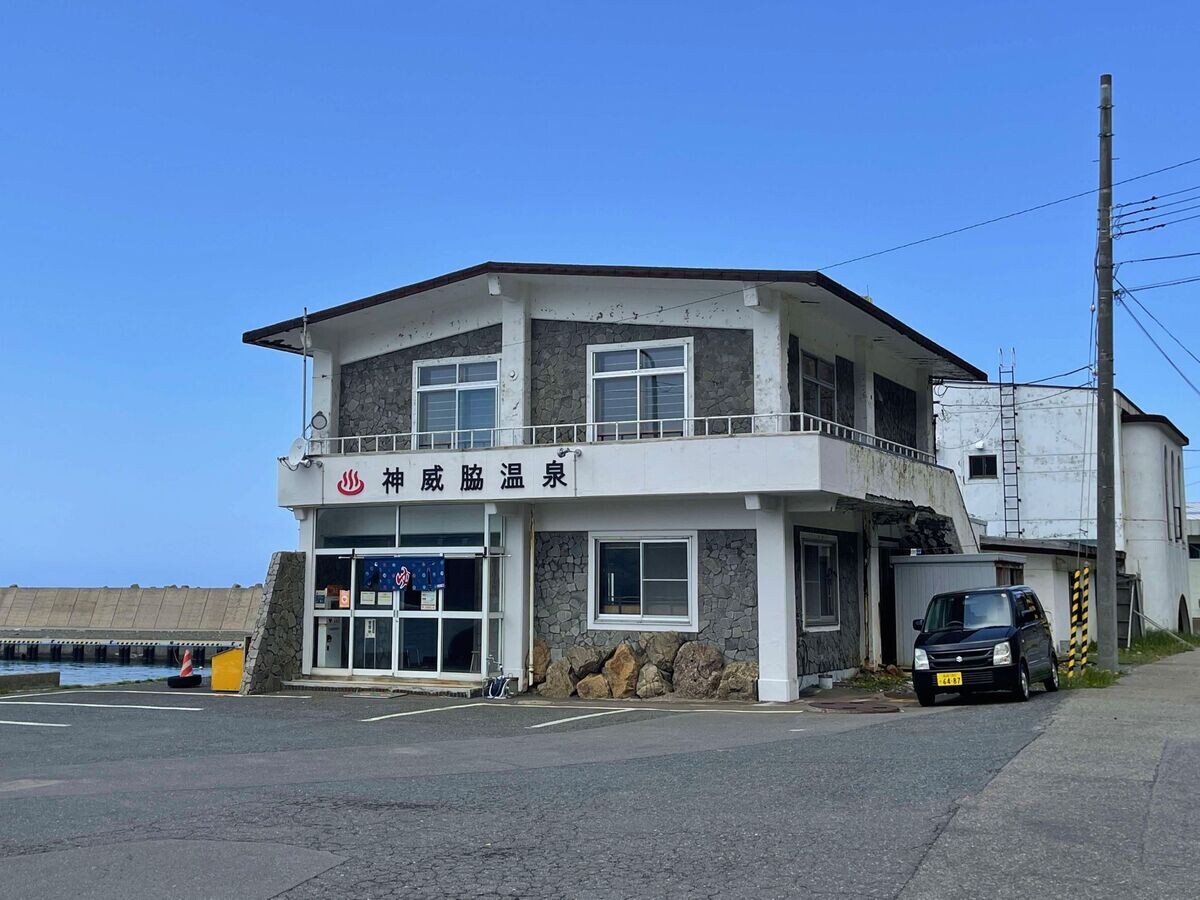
(1152,419)
(260,336)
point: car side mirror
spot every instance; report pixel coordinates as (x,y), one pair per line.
(918,624)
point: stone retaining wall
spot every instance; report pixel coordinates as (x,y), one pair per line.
(276,646)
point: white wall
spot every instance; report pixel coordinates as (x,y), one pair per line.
(1154,547)
(1056,453)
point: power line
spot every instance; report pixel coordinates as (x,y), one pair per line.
(1162,284)
(1155,227)
(1153,206)
(1158,258)
(1156,197)
(1157,346)
(1011,215)
(1059,375)
(1133,297)
(1173,212)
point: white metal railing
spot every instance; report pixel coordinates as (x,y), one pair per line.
(604,432)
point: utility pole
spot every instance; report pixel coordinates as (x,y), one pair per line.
(1105,593)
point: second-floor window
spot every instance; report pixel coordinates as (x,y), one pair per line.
(820,387)
(454,403)
(639,390)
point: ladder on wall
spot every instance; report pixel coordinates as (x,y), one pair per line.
(1009,445)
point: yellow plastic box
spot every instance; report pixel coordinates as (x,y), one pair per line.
(227,670)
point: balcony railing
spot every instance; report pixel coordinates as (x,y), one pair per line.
(606,432)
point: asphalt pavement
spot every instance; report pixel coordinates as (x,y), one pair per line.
(107,793)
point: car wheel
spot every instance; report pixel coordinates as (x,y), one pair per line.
(1021,691)
(925,697)
(1051,683)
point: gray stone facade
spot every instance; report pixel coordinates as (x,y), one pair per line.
(723,373)
(376,393)
(277,644)
(830,651)
(727,593)
(896,413)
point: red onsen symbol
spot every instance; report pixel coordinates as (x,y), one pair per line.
(350,484)
(403,577)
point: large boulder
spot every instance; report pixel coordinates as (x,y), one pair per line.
(541,660)
(586,660)
(652,682)
(621,670)
(698,670)
(560,682)
(661,648)
(594,687)
(739,681)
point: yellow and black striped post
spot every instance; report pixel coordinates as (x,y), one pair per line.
(1083,642)
(1075,620)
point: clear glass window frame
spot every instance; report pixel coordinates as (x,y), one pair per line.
(599,621)
(356,615)
(983,467)
(457,437)
(830,544)
(640,371)
(818,387)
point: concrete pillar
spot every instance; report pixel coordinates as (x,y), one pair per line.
(307,541)
(769,326)
(925,428)
(864,386)
(873,633)
(514,362)
(776,603)
(514,587)
(326,391)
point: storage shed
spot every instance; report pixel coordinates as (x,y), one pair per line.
(919,578)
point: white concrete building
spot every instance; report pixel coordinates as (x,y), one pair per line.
(1035,446)
(581,454)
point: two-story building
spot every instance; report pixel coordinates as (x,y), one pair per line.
(1025,455)
(583,454)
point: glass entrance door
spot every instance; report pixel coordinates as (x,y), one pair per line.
(420,616)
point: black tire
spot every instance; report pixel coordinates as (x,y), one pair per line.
(926,697)
(179,681)
(1020,693)
(1051,682)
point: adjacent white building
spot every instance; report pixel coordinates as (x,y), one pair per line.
(579,454)
(1025,458)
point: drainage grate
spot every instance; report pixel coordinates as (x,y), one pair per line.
(847,706)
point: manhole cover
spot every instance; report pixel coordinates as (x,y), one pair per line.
(850,707)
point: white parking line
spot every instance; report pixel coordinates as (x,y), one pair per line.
(419,712)
(37,724)
(610,712)
(95,705)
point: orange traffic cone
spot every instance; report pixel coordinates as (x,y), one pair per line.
(186,678)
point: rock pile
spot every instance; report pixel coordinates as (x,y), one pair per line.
(657,664)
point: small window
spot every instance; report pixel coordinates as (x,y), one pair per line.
(820,387)
(639,391)
(455,403)
(982,466)
(817,579)
(639,581)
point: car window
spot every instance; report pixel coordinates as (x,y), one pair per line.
(968,610)
(1027,603)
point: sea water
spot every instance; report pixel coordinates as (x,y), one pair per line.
(88,673)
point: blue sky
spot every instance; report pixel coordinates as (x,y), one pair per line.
(173,174)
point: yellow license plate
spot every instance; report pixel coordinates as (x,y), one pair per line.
(949,679)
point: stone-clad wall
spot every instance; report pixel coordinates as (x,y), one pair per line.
(896,413)
(830,651)
(277,644)
(727,593)
(376,393)
(723,374)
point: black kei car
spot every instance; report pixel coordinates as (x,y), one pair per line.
(985,639)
